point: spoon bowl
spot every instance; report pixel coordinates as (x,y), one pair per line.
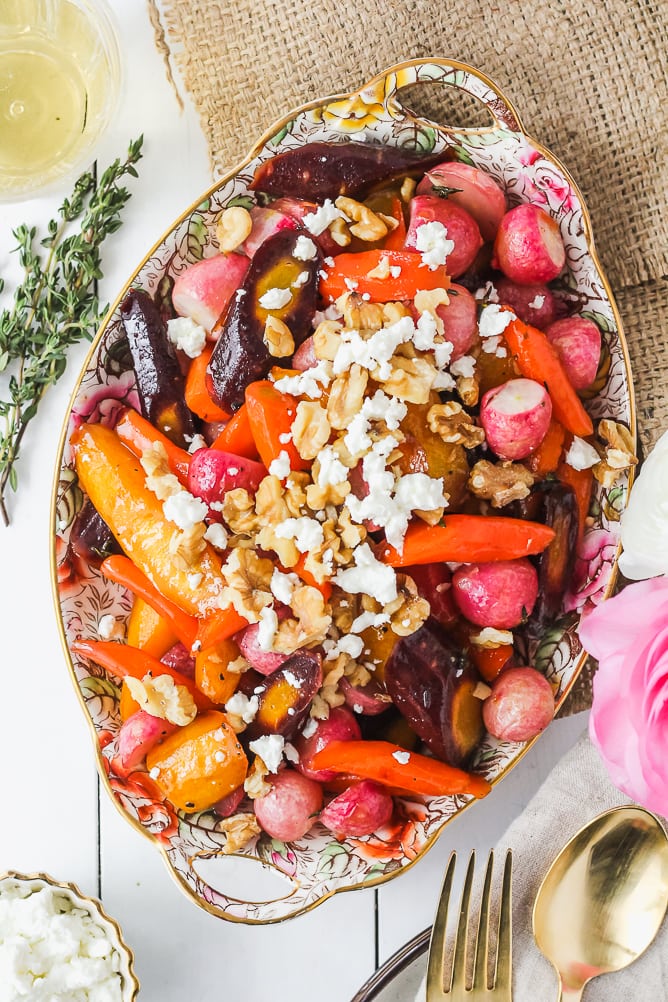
(603,899)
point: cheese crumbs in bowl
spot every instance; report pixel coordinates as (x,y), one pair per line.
(56,945)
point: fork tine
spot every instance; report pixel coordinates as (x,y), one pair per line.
(481,956)
(437,942)
(458,979)
(503,972)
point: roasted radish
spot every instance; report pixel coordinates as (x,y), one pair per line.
(340,725)
(520,706)
(528,247)
(578,344)
(515,416)
(461,239)
(500,594)
(469,188)
(360,810)
(534,304)
(205,288)
(290,809)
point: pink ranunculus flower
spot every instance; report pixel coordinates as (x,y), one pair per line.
(628,635)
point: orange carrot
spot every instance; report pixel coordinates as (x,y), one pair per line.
(124,572)
(582,482)
(412,277)
(324,587)
(397,237)
(138,435)
(490,661)
(270,415)
(149,630)
(211,673)
(122,660)
(545,458)
(197,396)
(537,359)
(468,539)
(219,625)
(237,437)
(393,766)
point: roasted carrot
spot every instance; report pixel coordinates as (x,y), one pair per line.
(412,275)
(582,482)
(219,625)
(237,437)
(490,661)
(537,359)
(545,458)
(468,539)
(197,396)
(397,237)
(122,660)
(149,630)
(270,415)
(211,674)
(138,435)
(393,766)
(121,570)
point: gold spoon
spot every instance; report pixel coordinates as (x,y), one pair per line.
(603,899)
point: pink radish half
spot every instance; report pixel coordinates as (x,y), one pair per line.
(213,472)
(204,289)
(266,222)
(578,344)
(138,735)
(290,809)
(500,595)
(515,417)
(266,662)
(360,810)
(461,228)
(534,304)
(528,247)
(340,725)
(520,706)
(460,320)
(478,193)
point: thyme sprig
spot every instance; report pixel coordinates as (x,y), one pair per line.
(55,305)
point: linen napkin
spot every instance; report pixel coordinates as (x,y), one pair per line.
(576,790)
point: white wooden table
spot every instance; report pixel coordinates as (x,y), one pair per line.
(54,816)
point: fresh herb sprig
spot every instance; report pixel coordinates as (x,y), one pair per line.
(55,305)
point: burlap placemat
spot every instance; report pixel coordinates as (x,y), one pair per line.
(588,79)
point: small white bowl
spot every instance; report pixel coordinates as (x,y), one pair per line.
(111,928)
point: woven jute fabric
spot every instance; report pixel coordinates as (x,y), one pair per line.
(588,79)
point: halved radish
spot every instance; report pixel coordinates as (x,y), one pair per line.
(578,344)
(266,222)
(500,594)
(528,246)
(460,320)
(534,304)
(290,809)
(138,735)
(213,472)
(477,192)
(204,289)
(461,228)
(360,810)
(515,417)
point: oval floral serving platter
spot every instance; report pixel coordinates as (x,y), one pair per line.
(318,865)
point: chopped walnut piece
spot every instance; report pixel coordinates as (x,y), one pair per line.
(329,694)
(382,269)
(411,379)
(468,388)
(310,625)
(255,784)
(393,312)
(350,533)
(238,511)
(233,227)
(358,314)
(407,190)
(500,483)
(344,611)
(326,340)
(339,232)
(271,506)
(367,225)
(310,429)
(428,301)
(619,452)
(160,696)
(238,666)
(295,492)
(318,497)
(248,578)
(491,638)
(408,611)
(346,396)
(239,829)
(278,338)
(454,425)
(186,546)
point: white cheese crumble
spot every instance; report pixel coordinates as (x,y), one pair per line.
(351,645)
(368,576)
(375,351)
(402,757)
(379,407)
(285,437)
(305,249)
(289,750)
(216,535)
(491,344)
(431,239)
(488,292)
(307,532)
(537,302)
(280,467)
(196,442)
(267,629)
(494,320)
(243,706)
(582,455)
(318,221)
(308,383)
(367,619)
(187,336)
(395,270)
(51,949)
(270,749)
(464,366)
(331,471)
(195,580)
(310,727)
(301,279)
(110,628)
(275,299)
(184,510)
(283,585)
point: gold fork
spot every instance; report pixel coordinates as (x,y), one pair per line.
(480,990)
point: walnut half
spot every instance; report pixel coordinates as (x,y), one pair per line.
(619,452)
(500,483)
(454,425)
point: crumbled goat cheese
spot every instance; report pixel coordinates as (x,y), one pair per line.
(307,532)
(283,585)
(351,645)
(582,455)
(537,302)
(318,221)
(52,948)
(267,629)
(308,383)
(501,352)
(332,471)
(351,284)
(186,335)
(196,442)
(464,366)
(488,293)
(367,619)
(402,757)
(379,407)
(243,706)
(431,239)
(494,320)
(305,249)
(491,344)
(289,750)
(184,510)
(270,749)
(280,467)
(110,628)
(368,576)
(375,351)
(216,535)
(331,312)
(275,299)
(194,580)
(301,279)
(310,727)
(285,437)
(395,270)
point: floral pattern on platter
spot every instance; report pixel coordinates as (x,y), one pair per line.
(317,866)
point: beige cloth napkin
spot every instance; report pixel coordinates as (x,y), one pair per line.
(576,790)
